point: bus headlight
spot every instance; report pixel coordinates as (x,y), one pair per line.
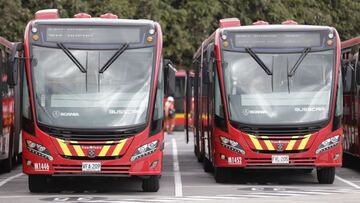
(145,150)
(231,144)
(328,144)
(38,149)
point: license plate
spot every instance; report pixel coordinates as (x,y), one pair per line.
(234,160)
(280,159)
(91,167)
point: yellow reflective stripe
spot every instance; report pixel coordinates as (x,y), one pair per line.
(64,147)
(304,142)
(105,148)
(291,143)
(179,115)
(77,148)
(118,148)
(268,143)
(255,142)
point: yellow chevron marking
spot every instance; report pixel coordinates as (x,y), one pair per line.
(268,143)
(304,142)
(179,115)
(77,148)
(292,142)
(105,148)
(118,148)
(255,142)
(64,147)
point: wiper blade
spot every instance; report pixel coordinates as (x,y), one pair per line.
(298,62)
(114,57)
(72,57)
(258,60)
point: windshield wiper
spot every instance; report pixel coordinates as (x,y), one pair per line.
(72,57)
(298,62)
(258,60)
(114,57)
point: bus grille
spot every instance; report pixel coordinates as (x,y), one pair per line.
(105,169)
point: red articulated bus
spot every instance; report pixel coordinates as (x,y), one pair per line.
(351,78)
(10,141)
(92,102)
(181,77)
(269,96)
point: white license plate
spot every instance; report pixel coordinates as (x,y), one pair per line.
(234,160)
(91,167)
(280,159)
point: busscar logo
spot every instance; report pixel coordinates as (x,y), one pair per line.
(247,112)
(308,109)
(58,114)
(121,112)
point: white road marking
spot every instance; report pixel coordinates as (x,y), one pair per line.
(347,182)
(177,174)
(10,179)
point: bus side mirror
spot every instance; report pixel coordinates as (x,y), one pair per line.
(169,76)
(14,63)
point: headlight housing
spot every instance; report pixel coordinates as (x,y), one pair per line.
(145,150)
(38,149)
(231,144)
(328,144)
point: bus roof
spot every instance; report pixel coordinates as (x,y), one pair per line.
(350,42)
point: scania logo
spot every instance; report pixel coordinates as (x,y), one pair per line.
(91,153)
(280,146)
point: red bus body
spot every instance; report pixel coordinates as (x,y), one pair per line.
(259,144)
(351,69)
(10,137)
(64,153)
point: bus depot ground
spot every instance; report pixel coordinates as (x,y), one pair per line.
(184,180)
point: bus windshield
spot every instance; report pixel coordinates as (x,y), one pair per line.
(67,97)
(255,97)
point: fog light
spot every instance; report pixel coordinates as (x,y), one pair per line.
(28,163)
(222,157)
(336,157)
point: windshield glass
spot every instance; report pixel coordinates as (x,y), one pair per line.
(254,97)
(67,97)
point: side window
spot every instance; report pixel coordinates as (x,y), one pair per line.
(339,98)
(26,110)
(218,102)
(159,100)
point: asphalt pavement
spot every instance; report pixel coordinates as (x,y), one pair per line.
(184,180)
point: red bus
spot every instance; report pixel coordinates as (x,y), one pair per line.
(10,142)
(93,94)
(266,96)
(351,77)
(181,77)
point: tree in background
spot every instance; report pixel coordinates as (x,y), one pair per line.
(186,23)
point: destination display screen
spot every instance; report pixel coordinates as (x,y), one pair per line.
(278,39)
(92,34)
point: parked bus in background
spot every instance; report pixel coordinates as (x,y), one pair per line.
(180,80)
(10,141)
(269,96)
(92,104)
(351,77)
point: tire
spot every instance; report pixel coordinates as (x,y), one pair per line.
(221,175)
(151,184)
(207,165)
(37,183)
(6,165)
(326,175)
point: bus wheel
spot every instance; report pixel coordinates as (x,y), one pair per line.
(326,175)
(6,165)
(151,184)
(37,183)
(207,165)
(221,175)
